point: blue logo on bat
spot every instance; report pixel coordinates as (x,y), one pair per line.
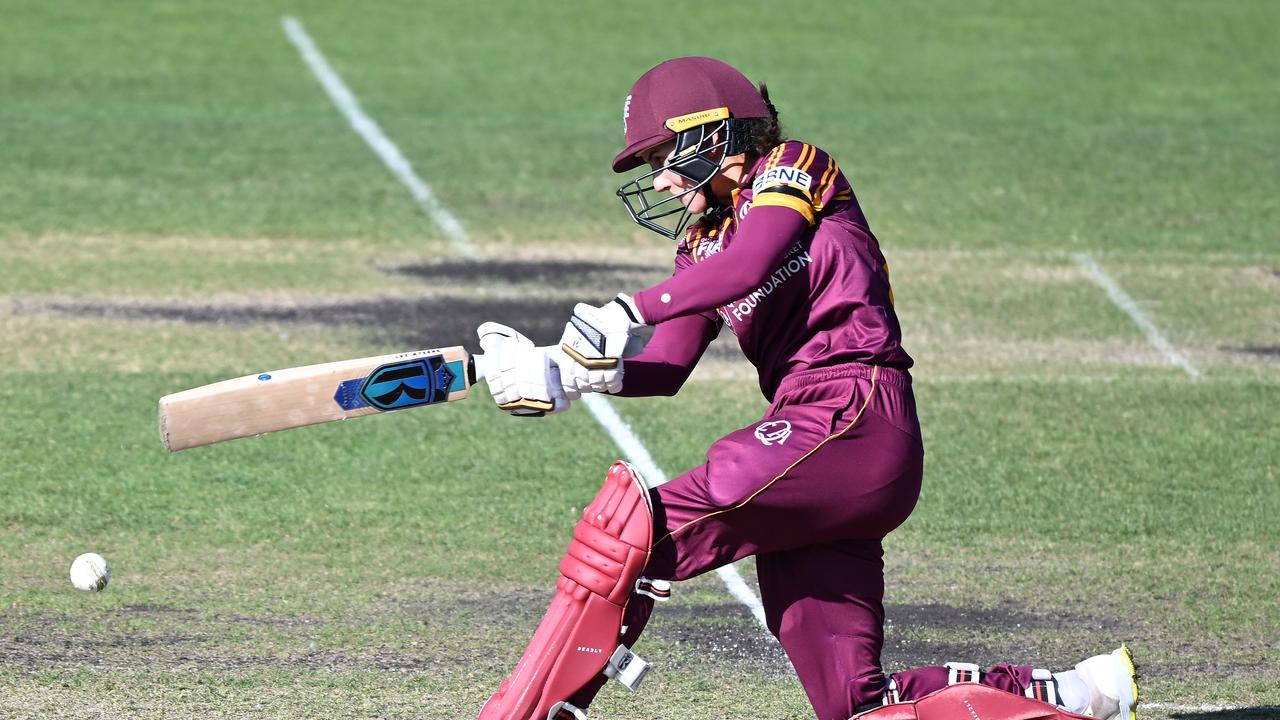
(348,395)
(408,383)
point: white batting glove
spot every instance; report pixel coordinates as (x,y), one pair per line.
(521,377)
(575,380)
(595,341)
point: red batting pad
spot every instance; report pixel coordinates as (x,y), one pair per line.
(583,625)
(970,701)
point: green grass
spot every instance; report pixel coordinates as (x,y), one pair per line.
(1080,489)
(1002,124)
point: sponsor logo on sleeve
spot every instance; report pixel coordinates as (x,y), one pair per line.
(774,432)
(789,176)
(792,265)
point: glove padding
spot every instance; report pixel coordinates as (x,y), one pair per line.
(595,341)
(521,377)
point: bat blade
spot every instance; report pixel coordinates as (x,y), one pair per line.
(295,397)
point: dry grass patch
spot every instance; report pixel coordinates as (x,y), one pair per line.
(47,343)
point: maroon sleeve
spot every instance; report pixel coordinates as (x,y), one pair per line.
(760,243)
(669,357)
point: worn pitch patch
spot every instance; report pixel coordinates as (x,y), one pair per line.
(1264,351)
(548,273)
(538,309)
(533,296)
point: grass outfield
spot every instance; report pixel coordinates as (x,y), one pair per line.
(180,202)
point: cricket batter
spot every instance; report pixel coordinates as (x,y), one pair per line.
(781,254)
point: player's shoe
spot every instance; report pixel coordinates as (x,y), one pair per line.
(1112,680)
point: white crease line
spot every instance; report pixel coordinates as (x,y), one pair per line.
(1013,379)
(1164,256)
(1176,707)
(1126,303)
(600,408)
(636,453)
(373,135)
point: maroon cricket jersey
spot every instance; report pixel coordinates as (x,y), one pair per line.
(792,268)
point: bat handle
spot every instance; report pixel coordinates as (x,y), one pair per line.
(476,368)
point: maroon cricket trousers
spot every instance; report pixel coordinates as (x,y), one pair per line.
(810,490)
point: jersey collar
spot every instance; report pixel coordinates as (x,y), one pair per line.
(750,175)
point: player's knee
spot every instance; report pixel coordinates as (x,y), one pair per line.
(736,476)
(585,636)
(614,534)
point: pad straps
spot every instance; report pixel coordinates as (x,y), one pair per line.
(1043,687)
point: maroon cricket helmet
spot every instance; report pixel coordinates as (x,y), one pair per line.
(675,95)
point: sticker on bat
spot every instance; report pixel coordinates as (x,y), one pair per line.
(348,395)
(409,383)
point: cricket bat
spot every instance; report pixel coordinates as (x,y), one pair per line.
(295,397)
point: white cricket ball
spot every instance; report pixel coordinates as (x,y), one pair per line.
(90,572)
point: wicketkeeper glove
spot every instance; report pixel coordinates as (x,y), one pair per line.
(521,377)
(595,341)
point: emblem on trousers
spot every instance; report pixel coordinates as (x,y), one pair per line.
(774,432)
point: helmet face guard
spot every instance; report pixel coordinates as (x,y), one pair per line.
(697,156)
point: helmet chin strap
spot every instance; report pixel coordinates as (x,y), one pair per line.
(714,203)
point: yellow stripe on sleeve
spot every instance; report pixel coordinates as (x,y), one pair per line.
(805,163)
(774,156)
(804,168)
(828,177)
(777,199)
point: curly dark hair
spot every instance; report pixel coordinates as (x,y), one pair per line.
(760,135)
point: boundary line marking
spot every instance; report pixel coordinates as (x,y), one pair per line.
(601,410)
(1126,303)
(372,134)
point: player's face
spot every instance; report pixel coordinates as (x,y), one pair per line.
(722,183)
(671,181)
